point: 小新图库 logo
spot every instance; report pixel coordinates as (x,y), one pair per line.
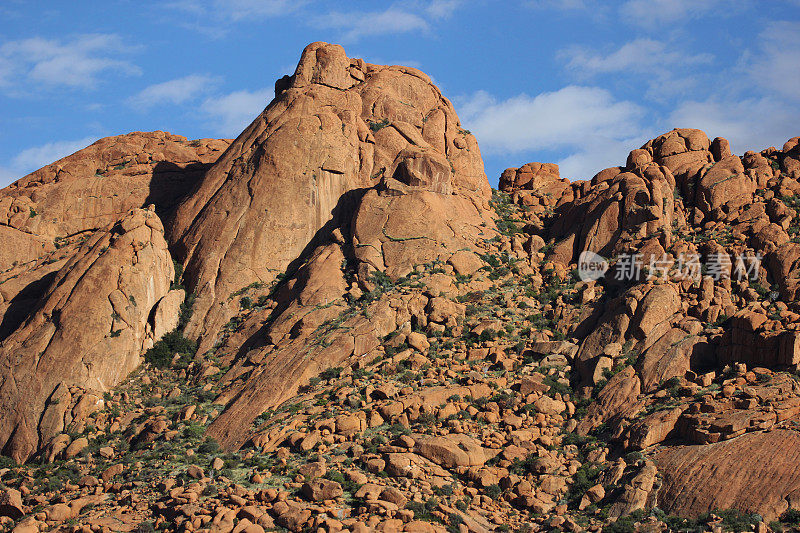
(591,266)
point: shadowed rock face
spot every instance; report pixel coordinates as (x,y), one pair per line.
(96,186)
(337,125)
(87,330)
(80,273)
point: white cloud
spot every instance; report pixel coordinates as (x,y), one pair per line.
(231,113)
(597,153)
(362,24)
(548,121)
(443,8)
(752,124)
(214,18)
(664,67)
(246,9)
(76,63)
(655,13)
(562,4)
(236,10)
(777,66)
(177,91)
(639,55)
(6,71)
(36,157)
(586,123)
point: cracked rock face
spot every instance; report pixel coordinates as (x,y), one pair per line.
(336,127)
(396,228)
(87,330)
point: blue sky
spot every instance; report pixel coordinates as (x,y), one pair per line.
(577,82)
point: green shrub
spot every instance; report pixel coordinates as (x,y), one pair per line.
(522,467)
(454,520)
(193,431)
(331,373)
(423,511)
(791,516)
(493,491)
(209,446)
(176,282)
(622,525)
(735,520)
(161,354)
(144,527)
(376,126)
(583,480)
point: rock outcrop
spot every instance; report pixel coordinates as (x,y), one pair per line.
(397,227)
(695,318)
(337,127)
(96,186)
(752,473)
(88,330)
(409,190)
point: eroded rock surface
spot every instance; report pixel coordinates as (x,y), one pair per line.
(87,330)
(752,473)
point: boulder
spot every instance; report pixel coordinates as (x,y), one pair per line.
(167,313)
(617,398)
(451,451)
(11,504)
(724,188)
(653,428)
(76,447)
(319,490)
(673,355)
(465,262)
(636,494)
(657,306)
(398,227)
(628,205)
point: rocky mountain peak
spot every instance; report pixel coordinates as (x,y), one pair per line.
(339,129)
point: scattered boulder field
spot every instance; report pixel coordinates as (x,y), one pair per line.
(334,323)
